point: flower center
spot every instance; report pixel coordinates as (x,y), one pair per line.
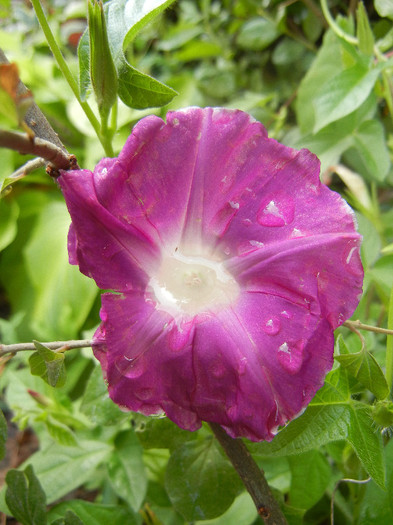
(190,285)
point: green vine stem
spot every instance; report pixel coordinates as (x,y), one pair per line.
(53,345)
(389,346)
(335,27)
(252,476)
(106,144)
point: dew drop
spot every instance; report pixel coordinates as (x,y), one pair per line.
(277,210)
(242,366)
(272,325)
(144,394)
(287,315)
(290,356)
(130,367)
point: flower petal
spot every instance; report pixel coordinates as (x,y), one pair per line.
(249,369)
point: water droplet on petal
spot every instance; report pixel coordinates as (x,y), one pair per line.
(287,315)
(277,210)
(179,335)
(290,356)
(246,222)
(130,367)
(272,325)
(351,259)
(144,394)
(242,366)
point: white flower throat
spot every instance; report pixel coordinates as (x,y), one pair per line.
(190,285)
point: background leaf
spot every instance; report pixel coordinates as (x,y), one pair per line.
(126,469)
(25,497)
(200,482)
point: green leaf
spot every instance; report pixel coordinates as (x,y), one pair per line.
(9,212)
(84,65)
(96,403)
(48,364)
(310,477)
(138,13)
(370,144)
(102,69)
(367,442)
(384,8)
(140,91)
(335,390)
(257,34)
(63,296)
(318,426)
(363,366)
(60,432)
(364,32)
(25,497)
(377,504)
(124,19)
(3,434)
(126,469)
(63,469)
(93,513)
(344,93)
(69,519)
(163,433)
(242,511)
(200,482)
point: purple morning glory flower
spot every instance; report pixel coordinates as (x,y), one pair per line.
(229,266)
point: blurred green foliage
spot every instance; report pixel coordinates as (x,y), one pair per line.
(329,89)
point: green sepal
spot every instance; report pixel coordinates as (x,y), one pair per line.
(47,364)
(102,69)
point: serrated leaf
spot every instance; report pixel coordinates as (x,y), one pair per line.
(25,497)
(367,442)
(200,482)
(318,426)
(363,366)
(311,475)
(126,469)
(93,513)
(48,364)
(344,93)
(363,31)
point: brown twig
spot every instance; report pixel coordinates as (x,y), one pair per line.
(35,146)
(252,476)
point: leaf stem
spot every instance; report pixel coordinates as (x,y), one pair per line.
(53,345)
(389,346)
(357,325)
(335,27)
(252,476)
(67,73)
